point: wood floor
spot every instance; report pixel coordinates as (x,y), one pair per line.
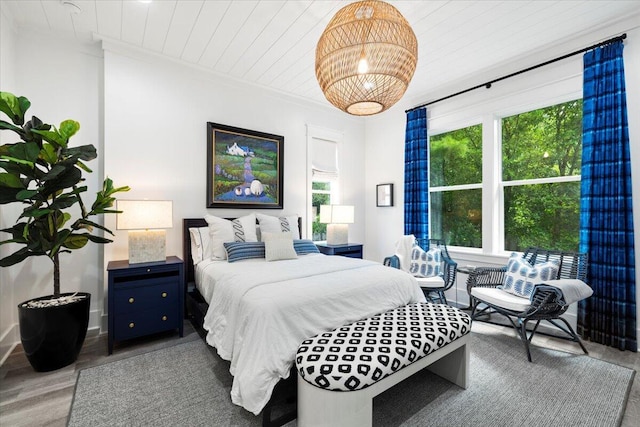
(29,398)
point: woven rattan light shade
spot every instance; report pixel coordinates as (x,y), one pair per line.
(377,32)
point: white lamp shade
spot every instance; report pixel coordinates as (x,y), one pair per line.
(144,214)
(336,214)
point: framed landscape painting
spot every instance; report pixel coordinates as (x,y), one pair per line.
(245,168)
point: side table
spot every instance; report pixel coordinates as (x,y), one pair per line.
(145,298)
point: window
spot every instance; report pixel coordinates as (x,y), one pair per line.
(533,184)
(541,160)
(320,195)
(323,146)
(456,192)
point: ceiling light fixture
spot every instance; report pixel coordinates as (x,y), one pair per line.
(366,57)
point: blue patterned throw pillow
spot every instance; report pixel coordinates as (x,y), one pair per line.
(425,263)
(239,251)
(304,247)
(521,277)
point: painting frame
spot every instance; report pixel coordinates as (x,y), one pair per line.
(384,195)
(245,168)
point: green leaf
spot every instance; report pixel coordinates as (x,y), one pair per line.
(64,201)
(16,257)
(49,153)
(17,232)
(27,151)
(76,241)
(10,180)
(85,223)
(98,239)
(84,152)
(67,179)
(68,128)
(8,195)
(14,107)
(26,194)
(51,136)
(9,126)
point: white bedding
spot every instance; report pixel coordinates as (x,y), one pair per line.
(260,312)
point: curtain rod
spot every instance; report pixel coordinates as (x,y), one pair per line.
(489,83)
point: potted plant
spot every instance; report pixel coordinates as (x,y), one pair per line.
(44,174)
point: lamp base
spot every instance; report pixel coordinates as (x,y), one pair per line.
(147,246)
(337,234)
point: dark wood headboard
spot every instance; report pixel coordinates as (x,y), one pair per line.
(187,223)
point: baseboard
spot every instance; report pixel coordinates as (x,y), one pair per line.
(8,342)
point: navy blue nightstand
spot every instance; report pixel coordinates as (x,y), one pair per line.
(145,298)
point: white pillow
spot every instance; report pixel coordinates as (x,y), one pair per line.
(425,264)
(200,244)
(222,230)
(521,277)
(275,224)
(278,246)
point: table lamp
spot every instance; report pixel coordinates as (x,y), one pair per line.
(337,218)
(146,221)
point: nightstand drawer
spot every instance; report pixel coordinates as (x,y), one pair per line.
(140,323)
(146,295)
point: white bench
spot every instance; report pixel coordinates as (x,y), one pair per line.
(340,372)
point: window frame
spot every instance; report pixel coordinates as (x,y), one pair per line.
(489,113)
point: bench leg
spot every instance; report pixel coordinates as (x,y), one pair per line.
(318,407)
(454,367)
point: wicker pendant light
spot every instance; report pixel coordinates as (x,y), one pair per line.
(366,57)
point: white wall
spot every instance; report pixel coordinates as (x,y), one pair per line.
(552,84)
(155,138)
(62,79)
(7,83)
(147,117)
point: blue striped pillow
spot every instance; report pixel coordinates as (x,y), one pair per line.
(304,247)
(238,251)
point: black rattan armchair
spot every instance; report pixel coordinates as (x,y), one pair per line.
(447,272)
(545,303)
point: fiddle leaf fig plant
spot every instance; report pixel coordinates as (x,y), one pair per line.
(44,174)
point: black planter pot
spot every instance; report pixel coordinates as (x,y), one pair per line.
(52,336)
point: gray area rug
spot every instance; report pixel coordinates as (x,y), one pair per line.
(188,384)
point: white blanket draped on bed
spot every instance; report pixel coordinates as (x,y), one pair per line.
(260,312)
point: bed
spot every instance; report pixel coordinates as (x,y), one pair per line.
(256,313)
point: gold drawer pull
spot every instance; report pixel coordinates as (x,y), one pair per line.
(148,270)
(164,317)
(131,325)
(131,300)
(164,295)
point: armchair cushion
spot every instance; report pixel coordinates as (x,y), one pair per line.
(521,277)
(430,282)
(425,263)
(501,298)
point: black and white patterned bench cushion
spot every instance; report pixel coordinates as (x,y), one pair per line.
(358,355)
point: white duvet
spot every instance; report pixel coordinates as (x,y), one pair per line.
(260,312)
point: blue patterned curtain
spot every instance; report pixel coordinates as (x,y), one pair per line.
(416,175)
(606,215)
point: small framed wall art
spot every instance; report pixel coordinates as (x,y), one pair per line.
(384,195)
(245,168)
